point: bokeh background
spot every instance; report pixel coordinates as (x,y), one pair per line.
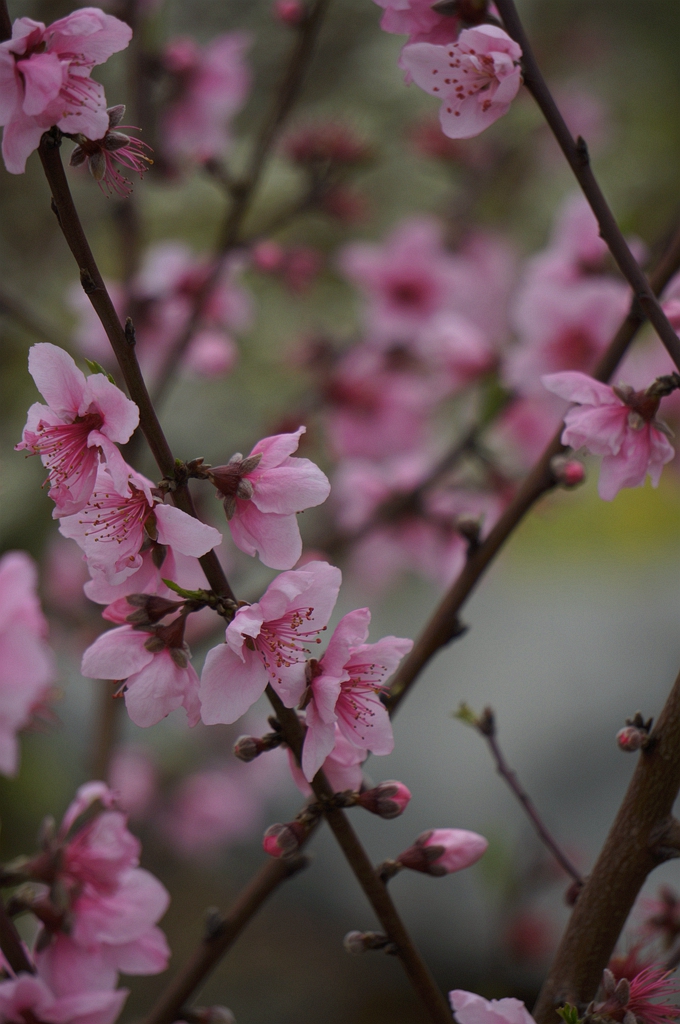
(573,629)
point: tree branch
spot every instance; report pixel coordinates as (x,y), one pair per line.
(577,156)
(242,192)
(443,625)
(11,944)
(218,940)
(643,835)
(5,22)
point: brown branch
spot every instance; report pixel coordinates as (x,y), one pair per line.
(486,725)
(443,625)
(365,873)
(242,192)
(577,156)
(122,340)
(11,944)
(219,939)
(644,835)
(5,22)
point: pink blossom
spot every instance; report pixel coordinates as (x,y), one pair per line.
(26,662)
(443,850)
(45,79)
(416,19)
(619,424)
(211,85)
(262,494)
(158,563)
(342,766)
(563,327)
(155,665)
(28,997)
(454,351)
(522,431)
(469,1008)
(267,643)
(132,777)
(209,810)
(115,524)
(115,147)
(477,77)
(345,687)
(102,849)
(77,428)
(639,997)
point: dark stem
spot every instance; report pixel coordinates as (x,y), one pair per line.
(243,191)
(487,727)
(365,873)
(577,156)
(216,943)
(5,22)
(643,836)
(121,339)
(11,944)
(442,627)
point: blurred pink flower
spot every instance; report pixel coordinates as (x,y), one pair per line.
(77,428)
(116,523)
(476,77)
(454,351)
(267,643)
(345,687)
(211,809)
(619,424)
(155,665)
(211,86)
(28,997)
(45,79)
(26,662)
(416,19)
(469,1008)
(443,850)
(262,494)
(132,777)
(523,429)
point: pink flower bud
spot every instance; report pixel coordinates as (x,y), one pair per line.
(284,840)
(247,748)
(443,850)
(267,256)
(567,472)
(630,739)
(388,800)
(289,12)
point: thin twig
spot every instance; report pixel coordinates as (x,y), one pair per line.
(218,940)
(243,192)
(5,22)
(365,873)
(486,726)
(578,158)
(443,625)
(11,944)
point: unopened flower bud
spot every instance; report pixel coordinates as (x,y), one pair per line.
(284,840)
(289,12)
(388,800)
(567,472)
(247,748)
(443,850)
(630,738)
(357,943)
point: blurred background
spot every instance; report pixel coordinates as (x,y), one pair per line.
(574,628)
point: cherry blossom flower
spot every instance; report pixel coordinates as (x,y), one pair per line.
(133,779)
(45,79)
(619,424)
(26,662)
(155,665)
(212,83)
(77,428)
(470,1008)
(267,642)
(114,526)
(442,851)
(638,997)
(477,77)
(262,494)
(28,997)
(345,687)
(454,351)
(210,810)
(114,147)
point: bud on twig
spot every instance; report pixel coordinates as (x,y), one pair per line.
(443,850)
(357,943)
(247,748)
(635,734)
(284,840)
(387,800)
(567,472)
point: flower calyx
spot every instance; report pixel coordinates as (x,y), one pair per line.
(644,405)
(170,638)
(231,482)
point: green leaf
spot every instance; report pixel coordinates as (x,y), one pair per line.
(466,714)
(98,368)
(569,1014)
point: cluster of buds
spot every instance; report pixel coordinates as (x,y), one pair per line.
(635,734)
(439,851)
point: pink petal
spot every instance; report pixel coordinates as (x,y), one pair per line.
(43,74)
(149,954)
(161,687)
(275,538)
(351,631)
(275,449)
(69,969)
(370,732)
(473,1009)
(21,135)
(88,1008)
(138,903)
(120,414)
(91,119)
(290,488)
(601,429)
(578,387)
(230,686)
(115,463)
(475,114)
(116,654)
(319,741)
(428,66)
(10,88)
(57,378)
(90,32)
(185,533)
(489,39)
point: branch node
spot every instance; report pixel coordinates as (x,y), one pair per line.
(582,151)
(130,334)
(87,281)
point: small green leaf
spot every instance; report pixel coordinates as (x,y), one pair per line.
(98,368)
(466,714)
(190,595)
(569,1014)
